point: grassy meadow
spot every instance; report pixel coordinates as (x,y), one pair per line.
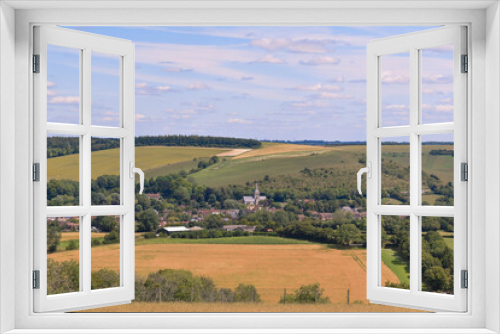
(107,162)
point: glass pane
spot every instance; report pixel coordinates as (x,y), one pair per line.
(395,182)
(395,89)
(106,89)
(395,242)
(437,254)
(105,252)
(63,255)
(437,84)
(63,170)
(437,169)
(105,171)
(63,84)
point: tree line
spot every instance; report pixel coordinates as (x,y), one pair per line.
(59,146)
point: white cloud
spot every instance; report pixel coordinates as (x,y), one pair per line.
(50,92)
(320,61)
(437,78)
(305,45)
(426,106)
(144,89)
(389,77)
(319,87)
(238,121)
(64,100)
(396,107)
(247,78)
(444,107)
(200,105)
(50,84)
(198,86)
(177,69)
(269,59)
(305,104)
(446,100)
(339,78)
(432,91)
(331,96)
(164,88)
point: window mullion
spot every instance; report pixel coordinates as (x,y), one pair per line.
(85,168)
(414,170)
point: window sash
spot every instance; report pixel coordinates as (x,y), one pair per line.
(414,297)
(86,43)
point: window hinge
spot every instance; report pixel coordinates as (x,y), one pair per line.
(464,170)
(36,63)
(465,279)
(36,172)
(36,279)
(465,64)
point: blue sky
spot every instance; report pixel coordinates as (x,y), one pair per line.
(285,83)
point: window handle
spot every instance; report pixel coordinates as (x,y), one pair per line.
(135,170)
(368,171)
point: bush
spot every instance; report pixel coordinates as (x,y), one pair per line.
(105,278)
(72,245)
(246,293)
(62,277)
(307,294)
(150,235)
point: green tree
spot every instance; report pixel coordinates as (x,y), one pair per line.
(346,234)
(53,236)
(246,293)
(147,221)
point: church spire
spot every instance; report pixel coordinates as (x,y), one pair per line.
(256,193)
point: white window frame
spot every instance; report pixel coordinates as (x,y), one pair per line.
(86,44)
(484,102)
(413,43)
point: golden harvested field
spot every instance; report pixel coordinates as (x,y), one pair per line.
(275,148)
(233,153)
(107,162)
(182,307)
(271,268)
(65,236)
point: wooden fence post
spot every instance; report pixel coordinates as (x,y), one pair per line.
(284,298)
(348,293)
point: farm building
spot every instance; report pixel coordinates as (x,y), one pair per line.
(244,228)
(174,229)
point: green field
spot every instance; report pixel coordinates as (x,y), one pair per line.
(239,171)
(148,158)
(250,240)
(398,267)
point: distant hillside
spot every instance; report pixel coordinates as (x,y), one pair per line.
(61,146)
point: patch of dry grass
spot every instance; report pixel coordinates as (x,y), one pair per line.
(282,148)
(271,268)
(182,307)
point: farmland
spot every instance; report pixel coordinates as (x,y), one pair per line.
(271,268)
(296,252)
(106,162)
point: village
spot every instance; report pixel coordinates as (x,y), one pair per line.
(169,223)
